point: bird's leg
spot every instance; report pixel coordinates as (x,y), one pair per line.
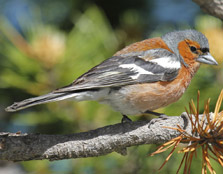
(125,119)
(160,115)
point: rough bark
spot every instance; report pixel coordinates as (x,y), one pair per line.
(102,141)
(213,7)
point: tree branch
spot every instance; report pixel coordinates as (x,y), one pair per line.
(102,141)
(213,7)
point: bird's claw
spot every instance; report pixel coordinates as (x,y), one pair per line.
(154,120)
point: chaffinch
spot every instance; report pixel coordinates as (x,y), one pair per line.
(140,78)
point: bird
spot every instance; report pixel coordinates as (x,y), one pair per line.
(140,78)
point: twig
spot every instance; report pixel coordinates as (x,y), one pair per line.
(102,141)
(213,7)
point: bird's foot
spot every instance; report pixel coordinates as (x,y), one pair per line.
(161,117)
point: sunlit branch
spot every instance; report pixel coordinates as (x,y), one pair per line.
(98,142)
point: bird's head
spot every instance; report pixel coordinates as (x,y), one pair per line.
(190,46)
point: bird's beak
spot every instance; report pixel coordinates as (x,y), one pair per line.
(207,59)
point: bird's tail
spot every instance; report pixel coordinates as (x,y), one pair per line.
(51,97)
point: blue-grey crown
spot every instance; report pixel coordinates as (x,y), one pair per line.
(172,39)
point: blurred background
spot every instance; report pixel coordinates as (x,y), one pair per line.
(46,44)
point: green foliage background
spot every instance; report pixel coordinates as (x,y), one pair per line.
(49,55)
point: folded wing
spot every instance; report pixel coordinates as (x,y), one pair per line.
(139,67)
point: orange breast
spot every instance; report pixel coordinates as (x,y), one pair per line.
(152,96)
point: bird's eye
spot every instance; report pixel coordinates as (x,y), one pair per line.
(193,49)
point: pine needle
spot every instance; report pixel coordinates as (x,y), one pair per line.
(206,134)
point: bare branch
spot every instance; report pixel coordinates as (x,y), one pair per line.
(213,7)
(23,147)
